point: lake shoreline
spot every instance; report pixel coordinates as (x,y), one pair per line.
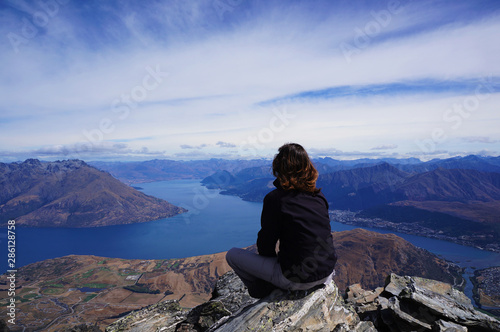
(349,218)
(213,224)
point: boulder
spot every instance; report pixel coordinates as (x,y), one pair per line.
(321,310)
(419,304)
(232,309)
(164,316)
(228,296)
(404,304)
(356,294)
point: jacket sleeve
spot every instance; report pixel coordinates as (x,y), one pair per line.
(270,227)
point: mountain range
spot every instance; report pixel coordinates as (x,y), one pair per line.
(448,199)
(160,170)
(364,187)
(164,170)
(461,190)
(72,194)
(464,187)
(459,204)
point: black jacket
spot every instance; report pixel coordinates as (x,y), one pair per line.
(300,221)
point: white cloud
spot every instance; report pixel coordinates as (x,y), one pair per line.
(225,144)
(190,147)
(480,139)
(385,147)
(58,91)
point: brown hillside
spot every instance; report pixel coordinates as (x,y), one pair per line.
(367,258)
(460,185)
(487,212)
(73,194)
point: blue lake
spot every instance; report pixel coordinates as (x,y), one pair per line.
(213,224)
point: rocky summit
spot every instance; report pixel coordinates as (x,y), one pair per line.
(403,304)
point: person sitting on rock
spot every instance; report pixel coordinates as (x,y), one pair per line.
(295,214)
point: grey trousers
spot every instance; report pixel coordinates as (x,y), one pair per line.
(251,267)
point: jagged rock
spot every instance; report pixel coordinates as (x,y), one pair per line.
(444,326)
(440,300)
(320,310)
(203,316)
(365,302)
(404,304)
(228,296)
(356,294)
(418,304)
(162,316)
(406,319)
(231,291)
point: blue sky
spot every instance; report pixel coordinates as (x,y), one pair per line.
(139,80)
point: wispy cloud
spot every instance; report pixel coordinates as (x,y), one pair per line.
(189,147)
(480,139)
(385,147)
(394,89)
(104,151)
(225,144)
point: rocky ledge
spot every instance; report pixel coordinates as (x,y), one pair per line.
(418,304)
(404,304)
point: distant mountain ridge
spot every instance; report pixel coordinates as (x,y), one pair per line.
(164,169)
(360,188)
(484,164)
(72,194)
(364,187)
(456,204)
(452,185)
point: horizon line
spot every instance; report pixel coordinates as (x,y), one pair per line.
(249,159)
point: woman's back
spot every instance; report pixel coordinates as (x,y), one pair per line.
(306,250)
(296,215)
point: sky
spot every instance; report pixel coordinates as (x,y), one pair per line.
(236,79)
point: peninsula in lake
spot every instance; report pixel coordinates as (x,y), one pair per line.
(72,193)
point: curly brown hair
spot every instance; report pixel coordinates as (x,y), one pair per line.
(294,170)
